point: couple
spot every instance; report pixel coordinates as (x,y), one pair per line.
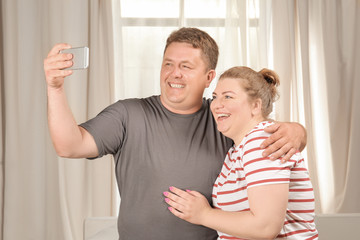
(253,197)
(162,141)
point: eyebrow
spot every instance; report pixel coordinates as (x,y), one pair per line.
(171,60)
(214,93)
(228,92)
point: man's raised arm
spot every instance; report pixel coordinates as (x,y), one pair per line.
(69,139)
(286,140)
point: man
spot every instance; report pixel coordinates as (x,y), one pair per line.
(159,141)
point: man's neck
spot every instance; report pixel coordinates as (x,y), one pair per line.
(180,108)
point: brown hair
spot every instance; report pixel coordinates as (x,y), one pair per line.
(258,85)
(198,39)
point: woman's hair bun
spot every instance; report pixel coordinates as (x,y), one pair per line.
(270,76)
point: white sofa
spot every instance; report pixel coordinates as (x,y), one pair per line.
(101,228)
(338,226)
(330,227)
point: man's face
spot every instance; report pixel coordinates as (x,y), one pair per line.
(183,78)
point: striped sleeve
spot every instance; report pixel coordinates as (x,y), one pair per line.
(261,170)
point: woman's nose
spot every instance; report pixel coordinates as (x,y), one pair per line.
(216,104)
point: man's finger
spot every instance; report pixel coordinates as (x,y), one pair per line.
(53,61)
(289,154)
(272,128)
(57,48)
(274,146)
(58,65)
(280,152)
(270,140)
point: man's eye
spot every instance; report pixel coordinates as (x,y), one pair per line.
(185,66)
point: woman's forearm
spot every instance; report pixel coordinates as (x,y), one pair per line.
(241,224)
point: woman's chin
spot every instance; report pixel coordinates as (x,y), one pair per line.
(223,131)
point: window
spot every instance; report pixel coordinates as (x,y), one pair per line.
(142,26)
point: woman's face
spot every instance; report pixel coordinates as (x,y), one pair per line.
(231,108)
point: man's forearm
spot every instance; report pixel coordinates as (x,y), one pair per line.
(64,130)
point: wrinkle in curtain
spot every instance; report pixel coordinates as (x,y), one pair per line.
(341,53)
(315,48)
(2,127)
(311,44)
(291,38)
(47,197)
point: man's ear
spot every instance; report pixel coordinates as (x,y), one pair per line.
(210,76)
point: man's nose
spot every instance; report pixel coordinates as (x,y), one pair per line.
(176,72)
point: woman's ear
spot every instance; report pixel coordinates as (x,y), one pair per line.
(256,107)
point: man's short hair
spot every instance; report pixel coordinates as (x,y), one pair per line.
(198,39)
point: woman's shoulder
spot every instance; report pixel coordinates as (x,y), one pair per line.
(258,132)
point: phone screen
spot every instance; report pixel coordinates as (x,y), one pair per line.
(80,57)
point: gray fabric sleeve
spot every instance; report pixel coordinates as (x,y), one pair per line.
(108,128)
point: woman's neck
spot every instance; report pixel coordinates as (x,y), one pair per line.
(246,129)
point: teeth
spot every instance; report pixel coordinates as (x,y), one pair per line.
(173,85)
(223,115)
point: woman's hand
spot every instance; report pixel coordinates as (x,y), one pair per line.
(188,205)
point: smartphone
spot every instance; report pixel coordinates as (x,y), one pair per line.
(80,57)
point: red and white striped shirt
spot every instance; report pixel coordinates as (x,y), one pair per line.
(244,167)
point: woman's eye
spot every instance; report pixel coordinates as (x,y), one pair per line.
(227,97)
(213,97)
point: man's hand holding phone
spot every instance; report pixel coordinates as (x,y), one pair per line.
(80,57)
(61,61)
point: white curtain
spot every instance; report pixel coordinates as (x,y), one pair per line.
(311,44)
(317,55)
(341,38)
(43,196)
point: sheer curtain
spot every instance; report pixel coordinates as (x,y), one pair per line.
(341,34)
(43,196)
(315,48)
(140,36)
(311,44)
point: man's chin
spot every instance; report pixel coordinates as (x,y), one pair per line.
(171,98)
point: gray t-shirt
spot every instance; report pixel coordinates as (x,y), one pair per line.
(154,149)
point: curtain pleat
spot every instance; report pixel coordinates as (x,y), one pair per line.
(316,54)
(341,54)
(2,127)
(313,45)
(47,197)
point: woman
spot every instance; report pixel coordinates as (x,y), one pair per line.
(253,197)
